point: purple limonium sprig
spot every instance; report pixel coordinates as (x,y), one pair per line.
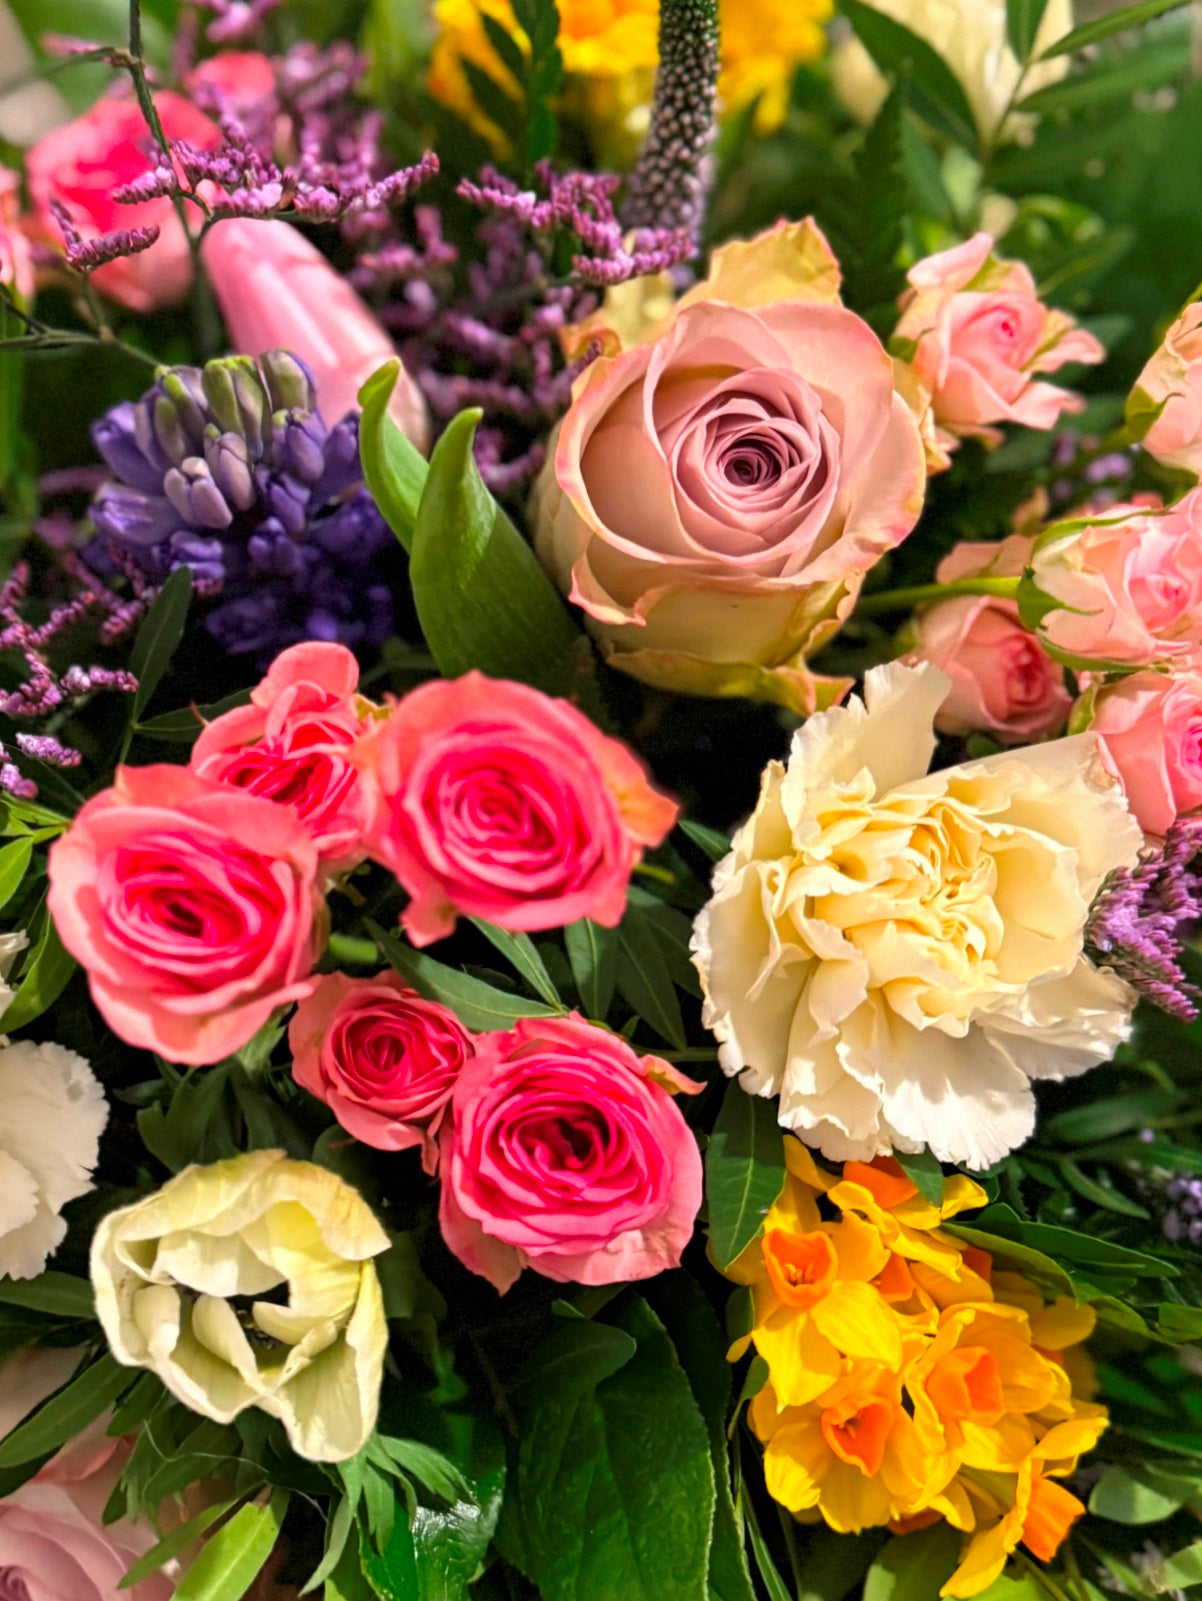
(85,255)
(236,21)
(1142,914)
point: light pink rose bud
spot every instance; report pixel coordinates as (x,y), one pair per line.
(1164,409)
(1128,586)
(977,335)
(278,292)
(1149,726)
(1002,682)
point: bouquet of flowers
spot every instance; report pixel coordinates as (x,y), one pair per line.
(601,800)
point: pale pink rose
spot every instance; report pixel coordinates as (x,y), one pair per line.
(381,1058)
(1150,729)
(277,291)
(1002,683)
(1129,585)
(716,493)
(1164,410)
(194,908)
(565,1153)
(82,163)
(977,335)
(496,801)
(292,745)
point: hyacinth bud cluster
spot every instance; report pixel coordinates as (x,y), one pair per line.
(231,471)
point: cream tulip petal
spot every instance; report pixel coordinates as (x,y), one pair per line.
(214,1325)
(291,1327)
(155,1316)
(214,1265)
(321,1283)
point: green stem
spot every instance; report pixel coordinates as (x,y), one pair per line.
(345,948)
(919,594)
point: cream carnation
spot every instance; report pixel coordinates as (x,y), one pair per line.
(898,953)
(54,1114)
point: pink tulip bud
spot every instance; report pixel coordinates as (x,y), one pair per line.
(277,291)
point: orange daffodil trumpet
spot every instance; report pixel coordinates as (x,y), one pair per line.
(908,1379)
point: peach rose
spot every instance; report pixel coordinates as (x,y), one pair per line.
(1002,682)
(1149,726)
(1164,410)
(717,491)
(193,908)
(82,163)
(977,334)
(1127,586)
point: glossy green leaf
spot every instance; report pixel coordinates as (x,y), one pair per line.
(1022,24)
(1123,1498)
(173,1544)
(593,955)
(935,91)
(744,1171)
(184,726)
(67,1413)
(913,1567)
(14,863)
(1181,1570)
(476,1004)
(43,979)
(518,949)
(394,469)
(926,1172)
(1037,1266)
(714,844)
(160,632)
(232,1559)
(644,979)
(59,1294)
(1105,27)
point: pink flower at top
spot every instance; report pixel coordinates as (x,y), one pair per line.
(194,909)
(1165,407)
(1003,683)
(1150,729)
(81,164)
(496,801)
(566,1153)
(977,336)
(240,79)
(292,745)
(383,1060)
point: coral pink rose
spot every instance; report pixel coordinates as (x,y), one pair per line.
(977,334)
(566,1153)
(1164,410)
(82,163)
(381,1058)
(238,79)
(1002,682)
(292,745)
(193,908)
(498,802)
(1128,585)
(1150,729)
(716,493)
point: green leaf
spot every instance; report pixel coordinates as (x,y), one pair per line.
(233,1557)
(476,1004)
(765,1567)
(744,1171)
(1106,27)
(338,1529)
(495,102)
(1034,1264)
(1074,1246)
(436,1471)
(394,469)
(544,79)
(172,1544)
(482,599)
(161,630)
(43,979)
(913,1567)
(1123,1498)
(1151,66)
(184,726)
(714,844)
(60,1294)
(1181,1570)
(644,979)
(67,1413)
(834,1564)
(347,1582)
(1116,1114)
(507,47)
(14,862)
(925,1172)
(1100,1194)
(1181,1324)
(593,955)
(935,91)
(519,950)
(1022,24)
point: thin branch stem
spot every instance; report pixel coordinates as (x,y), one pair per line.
(918,594)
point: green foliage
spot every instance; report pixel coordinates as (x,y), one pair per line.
(1022,24)
(915,1566)
(45,973)
(905,58)
(477,1005)
(744,1171)
(542,78)
(1105,27)
(232,1559)
(158,637)
(394,469)
(66,1413)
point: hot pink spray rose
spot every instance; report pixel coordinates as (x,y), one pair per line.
(194,909)
(82,163)
(292,745)
(717,491)
(1164,410)
(382,1059)
(1128,584)
(1002,682)
(498,802)
(566,1153)
(1150,729)
(977,335)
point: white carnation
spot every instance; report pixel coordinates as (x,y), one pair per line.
(52,1114)
(898,953)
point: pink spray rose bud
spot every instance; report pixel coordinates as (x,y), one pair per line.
(565,1153)
(277,291)
(81,164)
(381,1058)
(1164,410)
(194,909)
(977,334)
(1128,584)
(292,745)
(1150,729)
(718,491)
(1002,682)
(496,801)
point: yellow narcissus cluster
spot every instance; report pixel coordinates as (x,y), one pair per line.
(908,1380)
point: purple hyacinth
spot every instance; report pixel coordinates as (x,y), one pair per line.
(231,471)
(1142,914)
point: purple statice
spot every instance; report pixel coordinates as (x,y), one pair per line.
(236,22)
(231,471)
(85,255)
(1142,914)
(1183,1218)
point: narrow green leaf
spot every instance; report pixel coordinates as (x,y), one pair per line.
(60,1294)
(765,1567)
(436,1471)
(1106,27)
(1151,66)
(936,92)
(347,1582)
(475,1003)
(394,469)
(14,862)
(1123,1498)
(1022,24)
(644,978)
(160,633)
(1182,1570)
(172,1544)
(714,844)
(544,79)
(1112,1200)
(744,1171)
(519,950)
(233,1557)
(66,1413)
(926,1172)
(184,726)
(507,47)
(496,104)
(593,955)
(338,1531)
(43,980)
(1034,1264)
